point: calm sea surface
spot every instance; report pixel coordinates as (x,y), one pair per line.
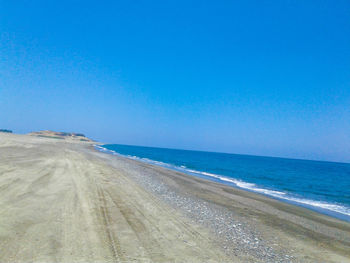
(320,186)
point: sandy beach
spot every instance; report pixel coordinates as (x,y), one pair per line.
(64,201)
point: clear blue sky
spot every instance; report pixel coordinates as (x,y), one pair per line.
(255,77)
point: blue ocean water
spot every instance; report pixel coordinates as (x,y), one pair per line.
(320,186)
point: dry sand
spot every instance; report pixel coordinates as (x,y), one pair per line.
(65,202)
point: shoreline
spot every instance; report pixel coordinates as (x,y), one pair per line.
(297,201)
(65,201)
(278,222)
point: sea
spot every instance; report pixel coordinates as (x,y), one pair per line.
(317,185)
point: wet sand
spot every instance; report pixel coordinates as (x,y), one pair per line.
(66,202)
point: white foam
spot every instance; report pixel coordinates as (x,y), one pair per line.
(241,184)
(281,195)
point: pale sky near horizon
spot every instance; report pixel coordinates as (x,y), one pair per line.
(265,78)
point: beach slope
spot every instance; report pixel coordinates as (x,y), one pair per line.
(63,201)
(59,204)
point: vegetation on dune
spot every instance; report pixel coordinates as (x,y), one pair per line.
(5,130)
(61,135)
(52,137)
